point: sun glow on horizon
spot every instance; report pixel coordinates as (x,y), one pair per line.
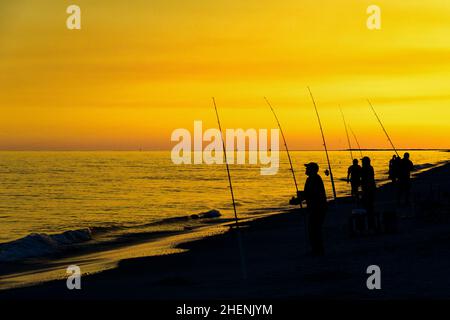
(137,71)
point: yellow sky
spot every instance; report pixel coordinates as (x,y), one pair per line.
(140,69)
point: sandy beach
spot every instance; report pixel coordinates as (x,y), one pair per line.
(414,261)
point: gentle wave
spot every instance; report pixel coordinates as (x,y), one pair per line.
(40,244)
(172,220)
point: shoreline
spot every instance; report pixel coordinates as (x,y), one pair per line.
(102,257)
(166,272)
(16,275)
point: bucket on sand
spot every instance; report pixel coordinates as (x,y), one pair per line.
(358,221)
(359,211)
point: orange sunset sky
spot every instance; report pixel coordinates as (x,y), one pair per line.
(139,69)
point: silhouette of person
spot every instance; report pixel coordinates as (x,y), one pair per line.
(368,187)
(397,164)
(316,200)
(393,169)
(354,177)
(404,178)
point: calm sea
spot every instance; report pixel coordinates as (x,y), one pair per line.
(115,194)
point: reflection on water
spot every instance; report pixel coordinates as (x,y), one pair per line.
(51,192)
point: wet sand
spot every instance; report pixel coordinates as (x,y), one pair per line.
(414,261)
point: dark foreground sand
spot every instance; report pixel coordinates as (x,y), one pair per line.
(414,262)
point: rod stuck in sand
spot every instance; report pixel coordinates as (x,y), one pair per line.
(238,231)
(324,144)
(292,170)
(286,147)
(384,129)
(356,140)
(346,132)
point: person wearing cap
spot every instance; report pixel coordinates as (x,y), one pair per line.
(368,187)
(404,179)
(316,200)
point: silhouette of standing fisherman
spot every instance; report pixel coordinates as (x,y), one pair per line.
(354,177)
(316,200)
(393,169)
(404,179)
(368,191)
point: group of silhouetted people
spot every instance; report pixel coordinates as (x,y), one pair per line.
(400,175)
(363,177)
(363,187)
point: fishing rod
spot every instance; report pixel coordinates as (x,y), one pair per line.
(285,146)
(384,129)
(356,139)
(324,144)
(346,132)
(292,170)
(241,248)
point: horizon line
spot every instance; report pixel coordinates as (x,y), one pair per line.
(160,150)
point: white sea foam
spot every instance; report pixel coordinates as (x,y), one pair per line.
(36,245)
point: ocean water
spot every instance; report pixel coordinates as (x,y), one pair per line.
(52,198)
